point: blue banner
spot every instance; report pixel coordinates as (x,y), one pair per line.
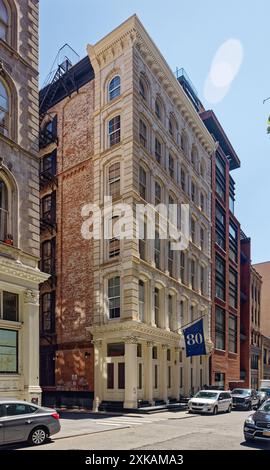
(194,339)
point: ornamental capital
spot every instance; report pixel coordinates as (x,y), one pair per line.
(131,340)
(31,297)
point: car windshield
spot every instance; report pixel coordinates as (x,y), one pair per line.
(265,407)
(264,390)
(206,395)
(241,391)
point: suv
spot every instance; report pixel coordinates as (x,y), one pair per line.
(210,401)
(245,398)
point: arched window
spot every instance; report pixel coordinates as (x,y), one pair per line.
(4,213)
(114,87)
(159,109)
(4,110)
(4,20)
(184,143)
(143,88)
(141,300)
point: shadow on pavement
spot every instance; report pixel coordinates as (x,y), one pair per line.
(260,445)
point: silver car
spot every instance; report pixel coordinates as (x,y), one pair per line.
(21,421)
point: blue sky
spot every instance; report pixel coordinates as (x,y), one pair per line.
(188,33)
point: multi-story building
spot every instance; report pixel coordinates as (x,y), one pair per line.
(265,373)
(125,129)
(264,270)
(19,200)
(250,331)
(225,325)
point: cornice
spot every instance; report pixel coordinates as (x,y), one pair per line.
(18,270)
(133,34)
(131,329)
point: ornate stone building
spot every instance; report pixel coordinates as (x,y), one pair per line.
(150,146)
(19,200)
(125,129)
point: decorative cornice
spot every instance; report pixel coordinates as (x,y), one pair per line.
(18,270)
(134,329)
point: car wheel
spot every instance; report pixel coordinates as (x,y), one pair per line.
(215,410)
(38,436)
(229,409)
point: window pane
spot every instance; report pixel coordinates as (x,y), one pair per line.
(121,375)
(114,88)
(8,351)
(110,376)
(10,306)
(115,349)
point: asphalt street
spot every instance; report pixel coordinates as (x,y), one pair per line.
(159,431)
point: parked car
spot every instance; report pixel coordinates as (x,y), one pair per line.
(210,401)
(264,394)
(257,425)
(21,421)
(245,398)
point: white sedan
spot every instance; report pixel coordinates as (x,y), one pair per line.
(210,401)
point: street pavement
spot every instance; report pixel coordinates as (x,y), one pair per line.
(176,430)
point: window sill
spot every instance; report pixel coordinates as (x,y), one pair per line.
(15,325)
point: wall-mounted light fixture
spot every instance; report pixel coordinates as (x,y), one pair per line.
(87,354)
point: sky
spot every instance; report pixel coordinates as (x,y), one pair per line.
(190,34)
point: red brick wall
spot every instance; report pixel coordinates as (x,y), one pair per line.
(74,263)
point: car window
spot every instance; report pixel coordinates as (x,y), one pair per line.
(16,409)
(1,411)
(221,396)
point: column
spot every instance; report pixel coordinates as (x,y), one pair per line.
(163,380)
(98,374)
(131,400)
(175,373)
(148,373)
(30,362)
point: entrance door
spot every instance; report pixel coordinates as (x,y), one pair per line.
(115,384)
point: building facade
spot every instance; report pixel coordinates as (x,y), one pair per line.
(225,325)
(265,358)
(131,134)
(264,270)
(256,373)
(19,201)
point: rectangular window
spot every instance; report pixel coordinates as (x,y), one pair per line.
(10,307)
(170,311)
(114,243)
(142,239)
(169,376)
(48,256)
(143,134)
(202,280)
(192,274)
(220,227)
(158,151)
(233,242)
(193,192)
(48,208)
(48,164)
(114,180)
(233,289)
(140,376)
(232,334)
(182,267)
(8,351)
(181,377)
(110,376)
(157,305)
(114,297)
(183,180)
(202,238)
(193,230)
(157,250)
(142,183)
(141,300)
(202,202)
(157,194)
(220,328)
(48,312)
(115,349)
(170,259)
(155,376)
(171,166)
(121,375)
(220,278)
(220,177)
(114,131)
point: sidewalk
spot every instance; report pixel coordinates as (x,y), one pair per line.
(80,423)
